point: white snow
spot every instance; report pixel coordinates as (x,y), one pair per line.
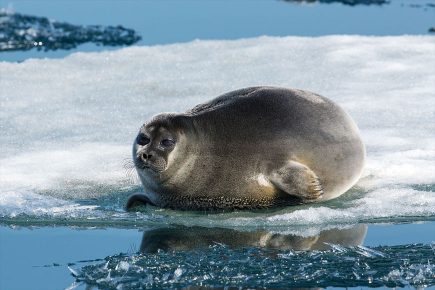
(69,123)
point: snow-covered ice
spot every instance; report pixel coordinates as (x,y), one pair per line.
(69,123)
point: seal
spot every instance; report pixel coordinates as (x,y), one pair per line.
(253,148)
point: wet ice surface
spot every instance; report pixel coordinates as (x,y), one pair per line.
(68,124)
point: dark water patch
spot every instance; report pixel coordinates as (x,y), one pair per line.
(422,5)
(81,262)
(25,32)
(344,2)
(432,30)
(362,3)
(424,187)
(220,266)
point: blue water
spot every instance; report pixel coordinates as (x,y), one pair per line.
(63,188)
(163,22)
(43,254)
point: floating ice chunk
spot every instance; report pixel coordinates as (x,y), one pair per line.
(79,115)
(367,252)
(73,286)
(75,273)
(122,265)
(177,273)
(337,248)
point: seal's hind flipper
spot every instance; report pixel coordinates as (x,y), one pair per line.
(298,180)
(137,199)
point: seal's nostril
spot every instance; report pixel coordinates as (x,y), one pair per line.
(145,157)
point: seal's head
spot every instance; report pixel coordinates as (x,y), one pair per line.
(153,145)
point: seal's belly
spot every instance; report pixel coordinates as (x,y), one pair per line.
(249,192)
(208,203)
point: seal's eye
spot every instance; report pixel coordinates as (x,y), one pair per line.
(167,143)
(142,140)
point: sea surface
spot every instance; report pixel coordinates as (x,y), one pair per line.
(174,21)
(69,117)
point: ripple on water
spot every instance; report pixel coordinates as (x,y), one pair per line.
(218,266)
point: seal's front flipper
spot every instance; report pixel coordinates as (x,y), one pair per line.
(136,200)
(298,180)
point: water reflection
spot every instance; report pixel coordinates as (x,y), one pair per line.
(191,238)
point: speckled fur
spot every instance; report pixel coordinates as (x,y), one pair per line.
(258,147)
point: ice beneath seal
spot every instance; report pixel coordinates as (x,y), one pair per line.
(67,124)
